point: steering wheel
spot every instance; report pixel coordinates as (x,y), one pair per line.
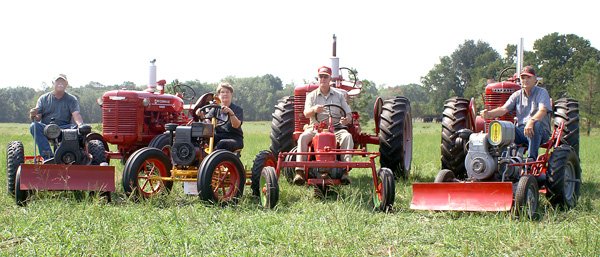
(215,110)
(338,124)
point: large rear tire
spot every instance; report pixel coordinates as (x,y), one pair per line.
(282,126)
(140,166)
(263,159)
(567,110)
(221,178)
(395,137)
(15,156)
(564,177)
(455,118)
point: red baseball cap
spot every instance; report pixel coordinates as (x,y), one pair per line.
(324,70)
(527,71)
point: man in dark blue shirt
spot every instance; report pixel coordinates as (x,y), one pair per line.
(58,105)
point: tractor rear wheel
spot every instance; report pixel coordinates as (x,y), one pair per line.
(455,118)
(269,188)
(15,156)
(263,159)
(564,177)
(395,137)
(527,197)
(162,142)
(282,126)
(289,172)
(221,178)
(444,175)
(139,169)
(567,110)
(96,149)
(385,193)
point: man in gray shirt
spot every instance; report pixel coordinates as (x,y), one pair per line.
(58,105)
(532,106)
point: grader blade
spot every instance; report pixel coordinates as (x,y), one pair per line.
(462,196)
(67,177)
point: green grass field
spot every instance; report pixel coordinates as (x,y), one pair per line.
(56,224)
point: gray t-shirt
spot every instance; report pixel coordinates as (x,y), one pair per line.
(335,96)
(526,107)
(59,109)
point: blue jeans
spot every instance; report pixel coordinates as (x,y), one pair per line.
(539,135)
(40,139)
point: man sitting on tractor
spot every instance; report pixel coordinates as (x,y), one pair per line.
(313,107)
(57,105)
(230,135)
(532,106)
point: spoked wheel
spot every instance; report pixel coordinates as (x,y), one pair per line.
(21,196)
(527,198)
(385,190)
(444,175)
(222,178)
(269,188)
(15,156)
(564,177)
(263,159)
(141,170)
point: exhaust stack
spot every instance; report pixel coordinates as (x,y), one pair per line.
(152,79)
(335,62)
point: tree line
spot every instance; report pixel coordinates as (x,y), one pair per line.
(568,64)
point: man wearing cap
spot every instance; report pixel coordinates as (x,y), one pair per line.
(313,107)
(58,105)
(532,106)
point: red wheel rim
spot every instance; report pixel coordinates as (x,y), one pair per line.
(150,167)
(380,191)
(225,181)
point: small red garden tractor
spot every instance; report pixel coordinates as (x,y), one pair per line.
(484,170)
(68,170)
(217,176)
(392,118)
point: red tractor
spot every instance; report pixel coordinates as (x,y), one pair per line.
(484,170)
(135,119)
(393,134)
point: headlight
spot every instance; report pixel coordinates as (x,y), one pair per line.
(501,133)
(146,102)
(100,101)
(52,131)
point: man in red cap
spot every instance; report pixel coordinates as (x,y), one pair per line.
(313,108)
(532,106)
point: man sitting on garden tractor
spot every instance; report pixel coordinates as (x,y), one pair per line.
(58,106)
(313,107)
(532,106)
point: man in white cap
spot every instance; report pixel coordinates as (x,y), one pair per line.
(58,106)
(532,106)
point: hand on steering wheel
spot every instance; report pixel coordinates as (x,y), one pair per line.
(341,119)
(215,110)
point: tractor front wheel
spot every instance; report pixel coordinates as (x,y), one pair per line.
(162,142)
(15,156)
(564,177)
(140,169)
(221,178)
(269,188)
(21,196)
(385,190)
(263,159)
(444,175)
(527,197)
(395,137)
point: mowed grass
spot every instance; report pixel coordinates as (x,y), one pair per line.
(56,224)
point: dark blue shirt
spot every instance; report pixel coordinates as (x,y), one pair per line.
(60,109)
(227,130)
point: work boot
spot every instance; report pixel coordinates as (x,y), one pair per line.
(345,179)
(299,178)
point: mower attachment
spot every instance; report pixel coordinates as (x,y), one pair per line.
(462,196)
(67,177)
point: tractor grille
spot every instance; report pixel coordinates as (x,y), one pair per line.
(119,118)
(299,101)
(496,100)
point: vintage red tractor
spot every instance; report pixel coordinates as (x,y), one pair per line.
(393,134)
(484,170)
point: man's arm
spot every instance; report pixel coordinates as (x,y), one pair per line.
(493,113)
(77,118)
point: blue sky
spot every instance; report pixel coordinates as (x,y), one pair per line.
(389,42)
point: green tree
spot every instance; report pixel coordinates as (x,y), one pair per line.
(586,88)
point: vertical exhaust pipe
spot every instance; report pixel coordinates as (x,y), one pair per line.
(152,79)
(335,62)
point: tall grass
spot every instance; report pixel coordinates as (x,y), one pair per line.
(56,224)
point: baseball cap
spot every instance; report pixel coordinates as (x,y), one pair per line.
(324,70)
(60,76)
(527,71)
